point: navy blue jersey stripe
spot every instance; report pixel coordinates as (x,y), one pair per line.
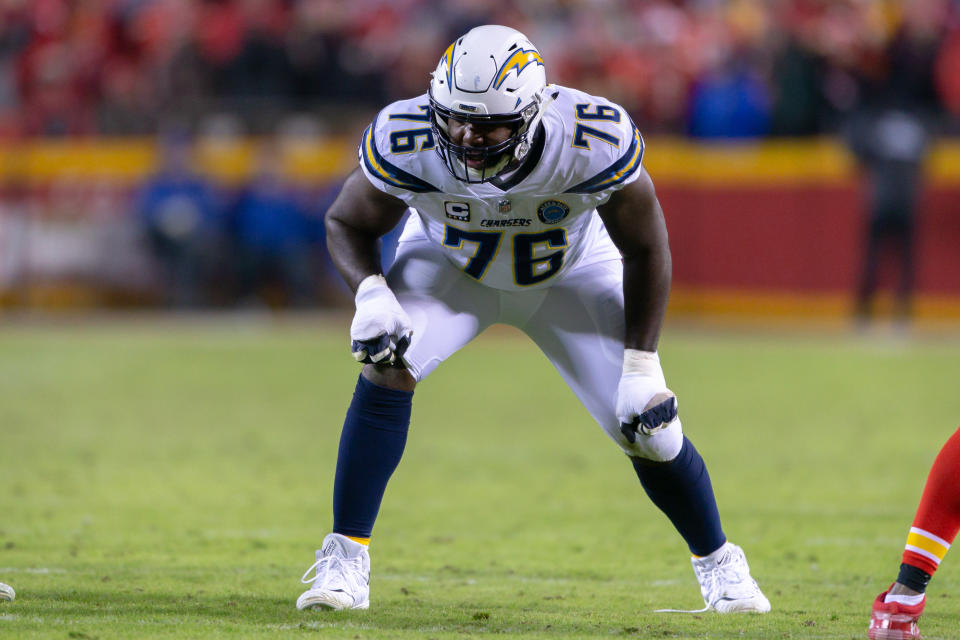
(387,172)
(616,173)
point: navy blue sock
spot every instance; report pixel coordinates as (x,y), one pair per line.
(681,489)
(371,444)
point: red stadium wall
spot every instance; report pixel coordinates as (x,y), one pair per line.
(781,238)
(803,238)
(781,229)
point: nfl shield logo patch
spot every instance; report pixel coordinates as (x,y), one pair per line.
(504,207)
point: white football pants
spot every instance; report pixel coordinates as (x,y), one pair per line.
(577,322)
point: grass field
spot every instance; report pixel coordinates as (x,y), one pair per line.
(172,479)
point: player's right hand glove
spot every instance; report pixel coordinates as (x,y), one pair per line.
(644,403)
(381,329)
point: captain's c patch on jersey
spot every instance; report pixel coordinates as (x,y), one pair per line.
(457,210)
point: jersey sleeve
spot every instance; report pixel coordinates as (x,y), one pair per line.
(387,136)
(606,145)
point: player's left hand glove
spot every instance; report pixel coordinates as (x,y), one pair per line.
(381,329)
(644,403)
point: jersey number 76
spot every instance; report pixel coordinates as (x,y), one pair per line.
(527,268)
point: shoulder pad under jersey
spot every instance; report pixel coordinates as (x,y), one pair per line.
(600,147)
(397,150)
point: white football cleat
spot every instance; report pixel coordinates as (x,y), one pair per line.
(342,579)
(6,593)
(725,581)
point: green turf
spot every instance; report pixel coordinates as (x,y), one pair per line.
(172,480)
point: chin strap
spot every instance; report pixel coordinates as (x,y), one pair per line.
(543,103)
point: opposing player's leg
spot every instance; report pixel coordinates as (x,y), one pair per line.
(579,326)
(935,526)
(447,310)
(6,593)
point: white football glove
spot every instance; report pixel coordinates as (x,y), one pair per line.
(644,403)
(381,329)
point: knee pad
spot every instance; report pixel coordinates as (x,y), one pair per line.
(662,446)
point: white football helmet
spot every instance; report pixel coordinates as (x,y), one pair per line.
(492,75)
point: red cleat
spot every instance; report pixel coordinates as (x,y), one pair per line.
(894,621)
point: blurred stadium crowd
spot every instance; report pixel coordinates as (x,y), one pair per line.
(707,69)
(699,67)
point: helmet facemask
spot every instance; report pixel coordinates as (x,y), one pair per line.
(482,164)
(491,77)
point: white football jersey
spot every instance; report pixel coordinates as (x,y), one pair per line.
(523,229)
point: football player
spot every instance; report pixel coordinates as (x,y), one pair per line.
(6,592)
(935,525)
(529,205)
